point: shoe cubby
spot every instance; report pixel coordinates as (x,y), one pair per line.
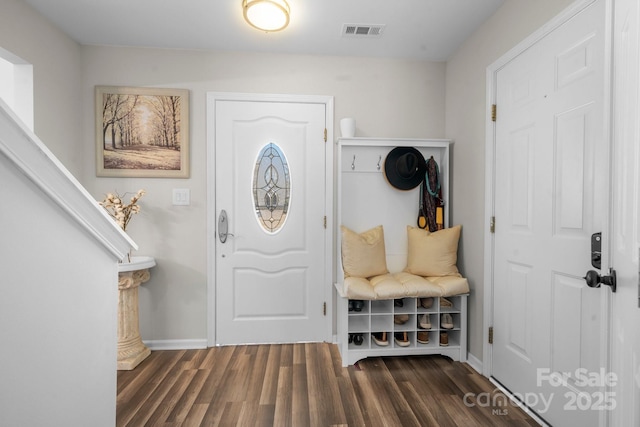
(359,324)
(393,317)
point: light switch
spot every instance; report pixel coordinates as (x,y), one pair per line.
(181,197)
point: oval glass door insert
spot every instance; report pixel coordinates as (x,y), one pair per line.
(271,188)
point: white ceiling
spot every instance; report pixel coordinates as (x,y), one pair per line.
(417,29)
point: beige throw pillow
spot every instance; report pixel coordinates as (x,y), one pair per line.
(433,254)
(363,254)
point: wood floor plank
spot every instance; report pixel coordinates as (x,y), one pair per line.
(188,397)
(231,414)
(248,414)
(270,383)
(258,370)
(195,415)
(306,385)
(325,407)
(283,408)
(300,396)
(218,364)
(168,403)
(152,406)
(152,373)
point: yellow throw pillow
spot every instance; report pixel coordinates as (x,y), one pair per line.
(363,254)
(433,254)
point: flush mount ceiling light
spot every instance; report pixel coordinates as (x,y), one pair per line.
(266,15)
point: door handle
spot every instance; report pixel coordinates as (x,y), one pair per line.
(594,280)
(223,226)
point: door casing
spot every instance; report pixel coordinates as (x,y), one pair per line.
(329,273)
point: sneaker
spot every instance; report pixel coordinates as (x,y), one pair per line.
(380,338)
(424,321)
(444,339)
(423,337)
(447,321)
(401,339)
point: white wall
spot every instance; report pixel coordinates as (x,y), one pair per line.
(58,314)
(387,98)
(466,115)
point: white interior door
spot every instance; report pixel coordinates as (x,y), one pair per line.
(270,183)
(551,194)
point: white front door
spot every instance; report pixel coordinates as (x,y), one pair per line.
(270,208)
(551,195)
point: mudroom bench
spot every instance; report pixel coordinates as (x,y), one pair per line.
(382,285)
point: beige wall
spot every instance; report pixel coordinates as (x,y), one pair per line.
(466,115)
(389,98)
(56,73)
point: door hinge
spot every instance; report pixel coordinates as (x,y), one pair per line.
(325,221)
(492,224)
(490,334)
(493,112)
(325,134)
(324,308)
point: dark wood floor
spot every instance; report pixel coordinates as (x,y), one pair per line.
(305,385)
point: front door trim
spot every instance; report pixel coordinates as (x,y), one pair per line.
(212,98)
(491,84)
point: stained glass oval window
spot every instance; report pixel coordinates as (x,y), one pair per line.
(271,188)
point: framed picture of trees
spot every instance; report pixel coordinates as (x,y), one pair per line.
(142,132)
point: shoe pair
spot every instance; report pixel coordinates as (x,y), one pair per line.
(425,302)
(357,339)
(356,304)
(424,321)
(445,303)
(446,322)
(401,339)
(423,337)
(380,338)
(400,319)
(444,339)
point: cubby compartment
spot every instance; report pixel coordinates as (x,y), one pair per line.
(381,306)
(359,323)
(362,310)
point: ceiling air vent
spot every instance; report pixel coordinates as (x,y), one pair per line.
(362,30)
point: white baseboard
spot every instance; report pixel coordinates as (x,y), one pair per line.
(517,403)
(474,362)
(175,344)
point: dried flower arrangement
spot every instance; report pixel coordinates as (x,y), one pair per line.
(118,210)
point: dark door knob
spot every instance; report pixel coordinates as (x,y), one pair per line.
(594,279)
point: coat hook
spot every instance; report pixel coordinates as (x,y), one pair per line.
(379,160)
(353,162)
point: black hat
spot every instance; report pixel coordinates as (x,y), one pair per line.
(405,167)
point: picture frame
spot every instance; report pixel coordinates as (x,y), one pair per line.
(142,132)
